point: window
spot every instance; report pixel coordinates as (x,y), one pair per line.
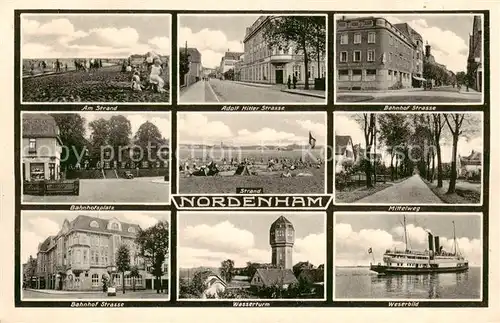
(127,280)
(344,39)
(114,226)
(32,145)
(85,256)
(391,40)
(371,38)
(357,38)
(368,23)
(342,24)
(95,280)
(343,57)
(94,224)
(355,24)
(356,72)
(37,171)
(356,57)
(139,280)
(131,229)
(118,279)
(371,72)
(396,43)
(371,55)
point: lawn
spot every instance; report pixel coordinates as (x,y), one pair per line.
(465,192)
(354,194)
(271,184)
(108,84)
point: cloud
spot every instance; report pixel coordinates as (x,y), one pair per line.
(351,247)
(61,40)
(188,257)
(222,236)
(345,125)
(197,126)
(268,136)
(144,220)
(318,129)
(311,248)
(212,44)
(37,229)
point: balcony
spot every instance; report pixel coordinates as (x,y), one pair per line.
(79,267)
(281,58)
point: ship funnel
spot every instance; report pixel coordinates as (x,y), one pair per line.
(436,244)
(431,241)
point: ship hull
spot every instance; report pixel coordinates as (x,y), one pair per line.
(386,270)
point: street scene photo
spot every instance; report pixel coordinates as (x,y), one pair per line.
(390,256)
(423,58)
(102,157)
(252,59)
(95,58)
(96,255)
(275,152)
(408,158)
(251,255)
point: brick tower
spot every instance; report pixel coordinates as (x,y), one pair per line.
(281,239)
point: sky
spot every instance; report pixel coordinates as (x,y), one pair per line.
(250,128)
(93,35)
(345,124)
(356,232)
(208,238)
(448,36)
(213,35)
(160,119)
(36,226)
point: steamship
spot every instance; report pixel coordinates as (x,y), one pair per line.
(433,260)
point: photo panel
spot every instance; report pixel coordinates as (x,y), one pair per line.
(275,256)
(95,157)
(269,152)
(402,58)
(411,159)
(252,58)
(96,256)
(95,58)
(411,257)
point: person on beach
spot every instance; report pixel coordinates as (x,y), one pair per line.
(136,82)
(154,76)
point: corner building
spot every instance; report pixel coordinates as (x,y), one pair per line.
(83,254)
(373,54)
(262,64)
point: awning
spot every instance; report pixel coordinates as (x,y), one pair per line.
(418,78)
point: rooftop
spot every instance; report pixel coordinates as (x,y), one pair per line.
(38,125)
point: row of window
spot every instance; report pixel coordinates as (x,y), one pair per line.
(355,24)
(117,280)
(370,75)
(356,56)
(344,38)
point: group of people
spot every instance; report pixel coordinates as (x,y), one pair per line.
(155,69)
(57,66)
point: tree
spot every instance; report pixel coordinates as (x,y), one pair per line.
(318,40)
(394,133)
(123,262)
(148,136)
(461,77)
(183,64)
(72,134)
(296,31)
(119,133)
(437,128)
(367,122)
(229,74)
(30,269)
(99,136)
(227,270)
(153,244)
(134,273)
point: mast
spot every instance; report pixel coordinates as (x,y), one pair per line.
(404,227)
(454,239)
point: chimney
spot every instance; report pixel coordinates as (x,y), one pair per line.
(436,243)
(431,241)
(427,50)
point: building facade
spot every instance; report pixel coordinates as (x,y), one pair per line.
(195,72)
(82,256)
(344,152)
(228,62)
(42,147)
(281,239)
(474,60)
(373,54)
(264,64)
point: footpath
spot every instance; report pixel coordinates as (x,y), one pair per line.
(283,88)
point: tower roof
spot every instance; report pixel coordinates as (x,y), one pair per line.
(281,222)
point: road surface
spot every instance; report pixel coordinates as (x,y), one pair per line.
(215,91)
(69,295)
(411,191)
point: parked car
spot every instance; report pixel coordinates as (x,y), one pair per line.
(128,175)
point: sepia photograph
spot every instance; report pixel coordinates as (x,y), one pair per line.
(251,255)
(381,256)
(408,158)
(420,58)
(95,58)
(95,157)
(245,58)
(96,255)
(275,153)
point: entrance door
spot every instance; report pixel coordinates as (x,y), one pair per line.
(149,284)
(279,76)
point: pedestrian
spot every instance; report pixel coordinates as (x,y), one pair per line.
(154,76)
(104,287)
(295,81)
(136,82)
(289,82)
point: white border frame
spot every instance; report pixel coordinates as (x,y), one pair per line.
(396,300)
(124,113)
(114,214)
(24,15)
(382,14)
(182,105)
(416,204)
(275,214)
(241,115)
